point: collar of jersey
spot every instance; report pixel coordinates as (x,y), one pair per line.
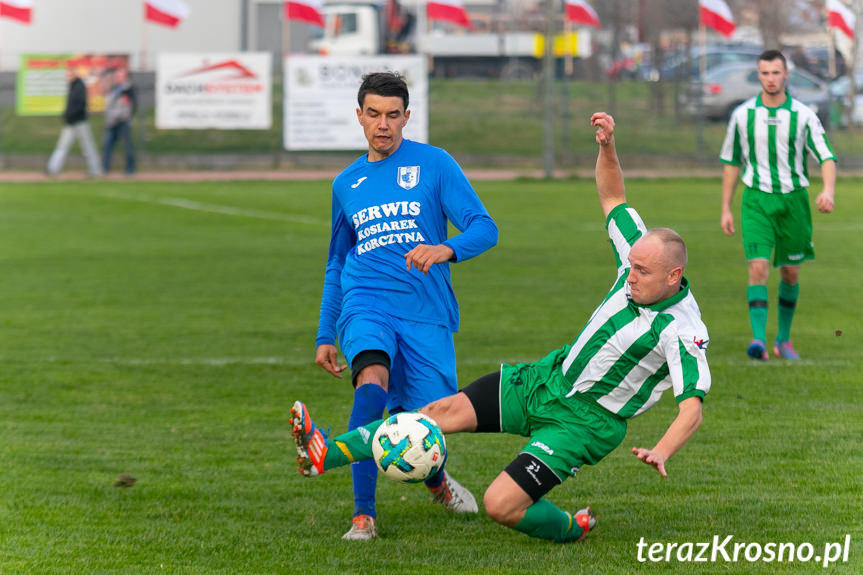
(786,105)
(666,303)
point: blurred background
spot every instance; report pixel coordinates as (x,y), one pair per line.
(495,96)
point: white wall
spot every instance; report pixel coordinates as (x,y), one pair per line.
(117,26)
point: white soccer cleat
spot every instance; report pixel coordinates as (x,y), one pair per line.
(364,528)
(452,495)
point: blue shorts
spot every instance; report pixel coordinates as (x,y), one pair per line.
(422,355)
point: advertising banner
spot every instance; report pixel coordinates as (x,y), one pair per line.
(221,91)
(321,99)
(42,83)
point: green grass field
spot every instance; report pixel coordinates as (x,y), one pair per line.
(163,330)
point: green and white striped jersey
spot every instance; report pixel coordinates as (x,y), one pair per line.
(773,144)
(628,354)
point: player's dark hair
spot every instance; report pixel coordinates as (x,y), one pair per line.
(386,84)
(770,55)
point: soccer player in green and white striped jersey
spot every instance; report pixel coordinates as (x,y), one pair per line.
(769,138)
(644,338)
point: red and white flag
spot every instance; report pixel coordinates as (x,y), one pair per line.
(166,12)
(448,11)
(841,18)
(717,15)
(581,12)
(20,10)
(308,11)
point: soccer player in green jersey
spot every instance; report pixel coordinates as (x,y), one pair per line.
(645,337)
(769,139)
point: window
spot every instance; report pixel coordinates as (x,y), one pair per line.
(345,24)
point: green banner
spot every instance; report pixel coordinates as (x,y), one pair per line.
(42,83)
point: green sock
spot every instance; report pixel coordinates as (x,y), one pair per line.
(787,304)
(545,520)
(355,445)
(757,296)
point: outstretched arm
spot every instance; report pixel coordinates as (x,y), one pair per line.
(681,429)
(609,177)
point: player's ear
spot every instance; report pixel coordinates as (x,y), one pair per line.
(359,116)
(407,117)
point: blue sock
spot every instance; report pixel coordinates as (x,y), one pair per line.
(435,480)
(369,403)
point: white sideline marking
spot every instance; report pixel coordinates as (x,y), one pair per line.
(196,206)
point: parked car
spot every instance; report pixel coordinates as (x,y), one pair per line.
(675,66)
(839,86)
(816,60)
(842,100)
(726,87)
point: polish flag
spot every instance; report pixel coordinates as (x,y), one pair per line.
(840,17)
(715,14)
(448,11)
(166,12)
(21,10)
(308,11)
(581,12)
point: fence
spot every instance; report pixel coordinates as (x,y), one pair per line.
(483,123)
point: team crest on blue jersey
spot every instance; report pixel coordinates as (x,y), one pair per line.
(409,176)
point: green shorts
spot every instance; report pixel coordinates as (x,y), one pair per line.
(778,223)
(565,432)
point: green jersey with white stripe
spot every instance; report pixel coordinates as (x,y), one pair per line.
(772,144)
(628,354)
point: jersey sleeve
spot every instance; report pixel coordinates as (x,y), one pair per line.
(466,211)
(816,140)
(687,363)
(732,151)
(342,240)
(624,227)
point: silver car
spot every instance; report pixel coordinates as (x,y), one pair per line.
(726,87)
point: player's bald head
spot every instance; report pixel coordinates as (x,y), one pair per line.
(673,247)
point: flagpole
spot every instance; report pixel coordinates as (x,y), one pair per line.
(422,35)
(143,59)
(699,91)
(831,45)
(286,33)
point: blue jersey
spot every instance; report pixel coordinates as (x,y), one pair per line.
(381,210)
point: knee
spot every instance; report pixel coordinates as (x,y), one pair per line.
(500,509)
(758,273)
(789,274)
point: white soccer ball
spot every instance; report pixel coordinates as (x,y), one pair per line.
(409,447)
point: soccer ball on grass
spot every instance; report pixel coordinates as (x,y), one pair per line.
(409,447)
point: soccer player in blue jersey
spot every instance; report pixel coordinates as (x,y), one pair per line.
(387,294)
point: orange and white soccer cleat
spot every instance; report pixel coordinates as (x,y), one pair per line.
(311,442)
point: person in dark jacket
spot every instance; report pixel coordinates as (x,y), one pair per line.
(75,127)
(119,110)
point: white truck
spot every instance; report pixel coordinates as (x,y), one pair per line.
(363,29)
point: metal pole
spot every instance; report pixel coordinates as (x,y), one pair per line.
(699,91)
(548,77)
(244,26)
